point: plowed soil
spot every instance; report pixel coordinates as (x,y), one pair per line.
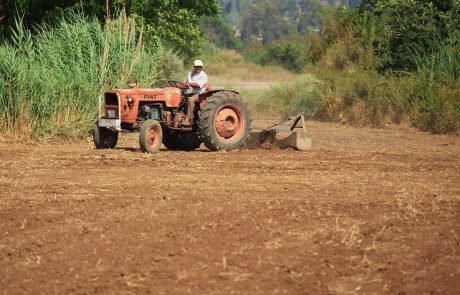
(366,211)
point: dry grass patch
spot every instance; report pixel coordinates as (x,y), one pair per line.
(229,67)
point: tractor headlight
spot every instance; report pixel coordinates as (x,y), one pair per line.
(130,100)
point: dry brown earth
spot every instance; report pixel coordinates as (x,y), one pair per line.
(366,211)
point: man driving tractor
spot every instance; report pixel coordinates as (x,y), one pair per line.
(196,80)
(223,122)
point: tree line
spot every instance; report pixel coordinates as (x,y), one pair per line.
(172,22)
(387,35)
(188,26)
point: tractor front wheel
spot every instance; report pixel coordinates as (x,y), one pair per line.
(104,138)
(224,121)
(150,136)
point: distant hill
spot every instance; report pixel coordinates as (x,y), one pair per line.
(268,20)
(236,6)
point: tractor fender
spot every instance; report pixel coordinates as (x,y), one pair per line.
(204,96)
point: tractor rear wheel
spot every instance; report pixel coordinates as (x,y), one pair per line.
(224,121)
(181,141)
(104,138)
(150,136)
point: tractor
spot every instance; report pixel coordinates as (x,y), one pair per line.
(222,119)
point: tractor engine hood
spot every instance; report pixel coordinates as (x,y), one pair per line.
(169,96)
(124,104)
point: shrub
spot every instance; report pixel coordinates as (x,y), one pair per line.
(291,53)
(290,98)
(219,33)
(254,52)
(392,62)
(405,25)
(432,106)
(369,98)
(361,97)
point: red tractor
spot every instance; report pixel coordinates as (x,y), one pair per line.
(222,118)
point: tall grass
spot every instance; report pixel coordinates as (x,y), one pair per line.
(367,98)
(291,98)
(287,98)
(442,63)
(50,82)
(360,97)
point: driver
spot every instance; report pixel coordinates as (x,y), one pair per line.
(196,80)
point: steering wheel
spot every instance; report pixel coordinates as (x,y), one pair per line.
(176,84)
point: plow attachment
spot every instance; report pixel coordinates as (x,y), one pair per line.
(283,135)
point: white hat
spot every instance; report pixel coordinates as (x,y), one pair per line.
(198,63)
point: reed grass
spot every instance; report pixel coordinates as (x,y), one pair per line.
(50,82)
(442,63)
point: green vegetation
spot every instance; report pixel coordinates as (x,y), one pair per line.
(60,56)
(288,99)
(50,82)
(386,62)
(442,63)
(368,98)
(172,22)
(219,34)
(379,63)
(266,21)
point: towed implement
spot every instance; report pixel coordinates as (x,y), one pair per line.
(285,134)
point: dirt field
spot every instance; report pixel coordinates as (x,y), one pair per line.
(365,211)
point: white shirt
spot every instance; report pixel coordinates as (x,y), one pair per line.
(200,78)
